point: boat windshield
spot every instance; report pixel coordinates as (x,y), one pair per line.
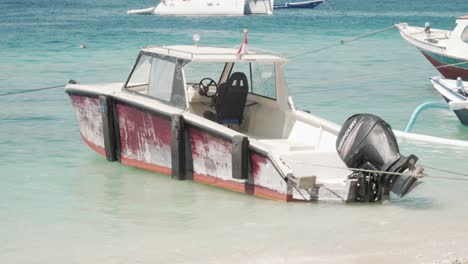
(196,71)
(139,79)
(159,77)
(260,75)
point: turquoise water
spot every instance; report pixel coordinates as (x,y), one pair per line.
(62,203)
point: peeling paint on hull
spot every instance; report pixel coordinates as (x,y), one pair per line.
(88,115)
(267,181)
(145,142)
(144,139)
(98,149)
(211,155)
(212,165)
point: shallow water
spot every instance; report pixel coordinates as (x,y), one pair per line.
(62,203)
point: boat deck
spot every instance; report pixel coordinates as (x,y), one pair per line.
(306,160)
(437,39)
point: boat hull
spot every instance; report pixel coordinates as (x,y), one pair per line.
(144,140)
(461,114)
(459,68)
(439,49)
(448,90)
(305,4)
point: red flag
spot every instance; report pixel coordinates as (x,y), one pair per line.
(243,49)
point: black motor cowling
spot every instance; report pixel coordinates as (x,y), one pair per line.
(367,145)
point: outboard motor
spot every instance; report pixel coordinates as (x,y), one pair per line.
(367,145)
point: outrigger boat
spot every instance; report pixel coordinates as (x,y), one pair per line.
(223,117)
(455,93)
(446,50)
(301,4)
(208,7)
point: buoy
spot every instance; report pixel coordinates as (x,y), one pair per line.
(82,46)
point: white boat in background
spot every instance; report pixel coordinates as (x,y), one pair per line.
(455,92)
(447,50)
(208,8)
(259,7)
(223,117)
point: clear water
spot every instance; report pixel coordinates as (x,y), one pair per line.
(62,203)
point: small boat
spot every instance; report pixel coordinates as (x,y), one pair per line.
(223,117)
(145,11)
(302,4)
(446,50)
(208,8)
(455,92)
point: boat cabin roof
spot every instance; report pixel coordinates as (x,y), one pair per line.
(213,54)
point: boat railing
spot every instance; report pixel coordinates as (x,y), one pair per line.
(191,55)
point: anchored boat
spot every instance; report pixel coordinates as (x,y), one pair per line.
(455,92)
(446,50)
(208,7)
(223,117)
(301,4)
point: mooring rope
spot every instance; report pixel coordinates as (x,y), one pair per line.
(367,78)
(397,173)
(360,170)
(361,78)
(447,171)
(342,42)
(33,90)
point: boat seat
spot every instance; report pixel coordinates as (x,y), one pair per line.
(230,101)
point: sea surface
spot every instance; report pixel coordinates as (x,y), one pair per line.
(62,203)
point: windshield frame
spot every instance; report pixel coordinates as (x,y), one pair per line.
(179,66)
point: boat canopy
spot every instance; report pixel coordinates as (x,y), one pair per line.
(213,54)
(173,74)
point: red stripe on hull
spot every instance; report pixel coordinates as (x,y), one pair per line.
(146,166)
(449,72)
(242,187)
(270,194)
(130,162)
(99,150)
(230,185)
(209,180)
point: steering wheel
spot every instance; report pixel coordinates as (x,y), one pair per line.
(204,87)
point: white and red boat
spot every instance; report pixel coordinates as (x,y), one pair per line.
(223,117)
(208,8)
(455,93)
(446,50)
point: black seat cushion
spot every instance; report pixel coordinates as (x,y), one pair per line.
(230,102)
